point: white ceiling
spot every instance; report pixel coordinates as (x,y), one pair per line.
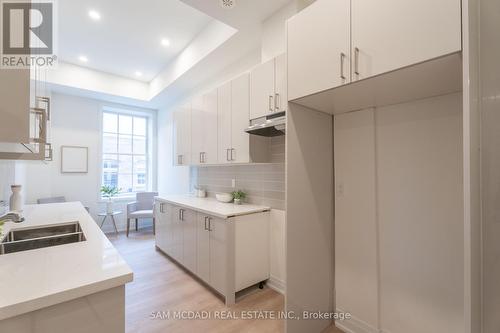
(127,37)
(245,14)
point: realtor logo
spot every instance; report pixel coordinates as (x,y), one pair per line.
(27,34)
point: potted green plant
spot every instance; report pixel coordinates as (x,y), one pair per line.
(238,197)
(109,192)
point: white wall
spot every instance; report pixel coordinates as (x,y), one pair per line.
(75,121)
(277,255)
(399,217)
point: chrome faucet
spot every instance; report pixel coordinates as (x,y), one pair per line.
(12,217)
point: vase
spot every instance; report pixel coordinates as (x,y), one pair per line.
(109,206)
(16,199)
(237,201)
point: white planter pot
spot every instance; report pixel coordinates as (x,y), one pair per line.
(109,206)
(237,201)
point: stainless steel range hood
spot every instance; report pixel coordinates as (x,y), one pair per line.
(272,125)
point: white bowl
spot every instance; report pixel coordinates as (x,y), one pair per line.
(224,197)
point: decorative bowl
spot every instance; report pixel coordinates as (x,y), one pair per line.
(224,197)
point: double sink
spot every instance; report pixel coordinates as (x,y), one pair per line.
(25,239)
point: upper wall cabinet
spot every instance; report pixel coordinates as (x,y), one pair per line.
(182,135)
(233,119)
(330,44)
(391,34)
(268,90)
(224,122)
(319,48)
(235,145)
(204,129)
(15,105)
(25,115)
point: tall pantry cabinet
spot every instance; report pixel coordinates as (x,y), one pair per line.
(400,165)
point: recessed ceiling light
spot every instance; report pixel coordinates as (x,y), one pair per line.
(83,59)
(165,42)
(94,15)
(138,73)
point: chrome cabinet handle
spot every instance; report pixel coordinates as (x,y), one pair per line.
(277,101)
(204,157)
(210,224)
(342,57)
(179,159)
(201,157)
(227,155)
(356,61)
(40,124)
(206,217)
(271,103)
(46,100)
(232,150)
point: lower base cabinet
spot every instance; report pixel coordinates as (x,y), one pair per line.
(228,254)
(218,256)
(203,249)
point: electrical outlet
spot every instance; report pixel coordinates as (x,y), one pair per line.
(233,183)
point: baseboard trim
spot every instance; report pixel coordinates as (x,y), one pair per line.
(354,325)
(276,284)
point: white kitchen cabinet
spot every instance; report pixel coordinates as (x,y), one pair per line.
(218,253)
(15,105)
(224,122)
(212,249)
(229,253)
(268,88)
(204,129)
(182,135)
(163,216)
(335,42)
(203,249)
(319,48)
(280,83)
(177,247)
(262,90)
(197,130)
(391,34)
(235,145)
(188,220)
(240,140)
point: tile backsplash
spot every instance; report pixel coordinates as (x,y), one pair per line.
(263,183)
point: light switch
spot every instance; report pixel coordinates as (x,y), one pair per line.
(233,183)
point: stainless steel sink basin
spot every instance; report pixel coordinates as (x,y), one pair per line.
(24,239)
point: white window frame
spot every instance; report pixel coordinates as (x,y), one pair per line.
(150,135)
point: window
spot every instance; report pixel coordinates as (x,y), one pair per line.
(125,157)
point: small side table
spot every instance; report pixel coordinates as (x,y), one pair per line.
(112,215)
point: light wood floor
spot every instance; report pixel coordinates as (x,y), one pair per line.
(160,285)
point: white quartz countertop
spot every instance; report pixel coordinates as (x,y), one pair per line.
(211,206)
(39,278)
